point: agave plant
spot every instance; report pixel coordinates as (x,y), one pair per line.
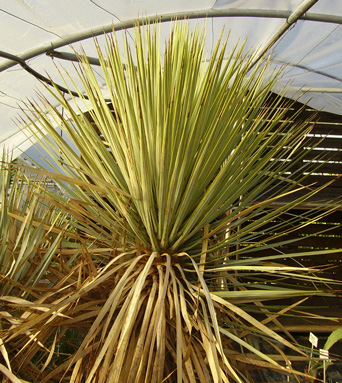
(143,271)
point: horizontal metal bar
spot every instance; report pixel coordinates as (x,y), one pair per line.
(212,13)
(316,90)
(307,69)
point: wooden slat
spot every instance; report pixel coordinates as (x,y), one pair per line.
(312,229)
(322,180)
(329,168)
(324,155)
(322,142)
(328,265)
(324,124)
(326,227)
(327,128)
(315,242)
(287,250)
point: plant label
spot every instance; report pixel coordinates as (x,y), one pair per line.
(324,354)
(313,339)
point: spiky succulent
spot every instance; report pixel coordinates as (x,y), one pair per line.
(144,271)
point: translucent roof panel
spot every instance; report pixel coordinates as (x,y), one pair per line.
(304,35)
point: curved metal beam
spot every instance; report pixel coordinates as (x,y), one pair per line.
(231,12)
(292,19)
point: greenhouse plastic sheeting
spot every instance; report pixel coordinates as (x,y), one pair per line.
(310,49)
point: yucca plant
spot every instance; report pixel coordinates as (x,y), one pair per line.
(147,273)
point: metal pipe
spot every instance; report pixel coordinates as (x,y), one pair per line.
(212,13)
(307,69)
(40,77)
(72,57)
(316,90)
(293,18)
